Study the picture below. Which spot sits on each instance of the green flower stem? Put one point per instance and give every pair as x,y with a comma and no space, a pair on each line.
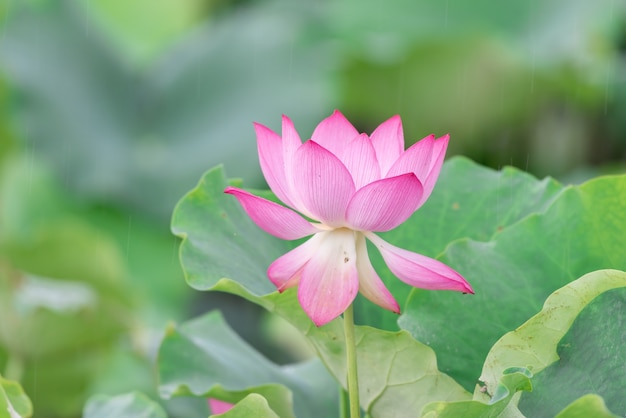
344,409
353,384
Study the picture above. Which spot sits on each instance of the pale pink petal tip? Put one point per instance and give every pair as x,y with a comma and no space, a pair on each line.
388,141
289,131
334,133
270,147
263,132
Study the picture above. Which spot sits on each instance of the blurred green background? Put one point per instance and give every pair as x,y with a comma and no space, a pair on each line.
110,110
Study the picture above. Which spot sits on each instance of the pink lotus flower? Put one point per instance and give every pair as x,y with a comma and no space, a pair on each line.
351,185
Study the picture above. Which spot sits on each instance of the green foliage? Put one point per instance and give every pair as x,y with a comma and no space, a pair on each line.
488,73
359,21
141,136
65,288
205,358
574,346
400,374
514,273
459,106
13,401
130,112
590,357
134,32
129,405
62,291
252,405
511,382
535,343
210,231
529,251
586,406
469,201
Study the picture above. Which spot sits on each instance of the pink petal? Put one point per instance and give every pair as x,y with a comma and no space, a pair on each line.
323,183
370,284
291,142
285,271
329,281
359,158
423,158
384,204
334,133
290,135
219,407
439,153
272,217
272,162
388,141
417,159
418,270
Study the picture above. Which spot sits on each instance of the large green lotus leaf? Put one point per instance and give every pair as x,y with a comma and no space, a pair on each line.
536,342
204,357
585,407
397,373
468,201
512,275
559,378
14,403
130,405
591,356
141,136
253,405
